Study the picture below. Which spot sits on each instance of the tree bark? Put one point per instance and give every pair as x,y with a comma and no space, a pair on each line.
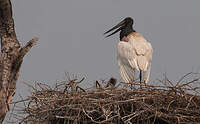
11,57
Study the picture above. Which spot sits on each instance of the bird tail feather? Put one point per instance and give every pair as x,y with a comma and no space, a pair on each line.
142,63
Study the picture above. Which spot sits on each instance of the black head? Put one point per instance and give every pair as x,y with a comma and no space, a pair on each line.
128,21
125,28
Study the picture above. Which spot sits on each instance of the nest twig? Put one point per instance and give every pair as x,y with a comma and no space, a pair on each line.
67,103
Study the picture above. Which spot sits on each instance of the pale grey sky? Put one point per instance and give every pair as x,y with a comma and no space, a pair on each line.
71,37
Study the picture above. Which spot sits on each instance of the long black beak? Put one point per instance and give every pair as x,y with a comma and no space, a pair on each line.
119,26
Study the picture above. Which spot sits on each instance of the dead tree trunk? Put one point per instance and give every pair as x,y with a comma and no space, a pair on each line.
11,57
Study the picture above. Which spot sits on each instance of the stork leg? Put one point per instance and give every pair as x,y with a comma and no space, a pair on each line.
140,78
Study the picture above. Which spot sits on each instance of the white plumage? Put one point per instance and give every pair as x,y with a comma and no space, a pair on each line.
134,55
134,52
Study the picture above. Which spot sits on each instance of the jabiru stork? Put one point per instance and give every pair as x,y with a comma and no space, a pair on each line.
134,52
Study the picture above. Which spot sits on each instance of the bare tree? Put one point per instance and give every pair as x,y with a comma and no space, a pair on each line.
11,57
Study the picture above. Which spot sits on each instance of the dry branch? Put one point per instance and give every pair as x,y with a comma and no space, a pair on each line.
152,104
11,57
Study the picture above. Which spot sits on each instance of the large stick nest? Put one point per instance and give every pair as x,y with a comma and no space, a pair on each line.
66,103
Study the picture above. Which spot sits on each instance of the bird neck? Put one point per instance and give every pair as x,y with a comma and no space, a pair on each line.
126,31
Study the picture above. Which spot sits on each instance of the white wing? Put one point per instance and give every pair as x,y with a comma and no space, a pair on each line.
136,54
144,53
148,55
143,50
126,61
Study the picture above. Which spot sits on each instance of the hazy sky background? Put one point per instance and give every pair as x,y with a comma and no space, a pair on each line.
71,37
